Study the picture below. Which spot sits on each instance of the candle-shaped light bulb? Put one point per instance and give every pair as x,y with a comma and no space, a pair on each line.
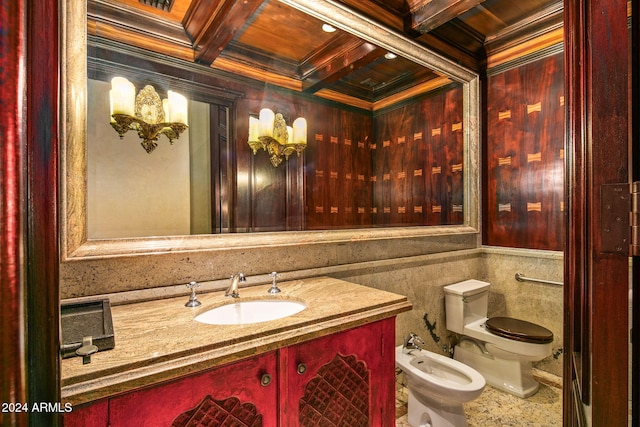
165,109
267,118
111,106
289,134
177,108
254,129
123,96
299,131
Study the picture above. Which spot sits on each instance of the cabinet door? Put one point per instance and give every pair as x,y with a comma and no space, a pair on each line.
235,394
345,379
94,414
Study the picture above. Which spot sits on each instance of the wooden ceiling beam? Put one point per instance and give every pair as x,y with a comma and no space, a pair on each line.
430,14
339,59
212,25
131,25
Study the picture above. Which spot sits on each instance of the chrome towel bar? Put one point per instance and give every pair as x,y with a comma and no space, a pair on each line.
522,278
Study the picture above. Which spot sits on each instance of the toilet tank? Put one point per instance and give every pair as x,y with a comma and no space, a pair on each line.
465,302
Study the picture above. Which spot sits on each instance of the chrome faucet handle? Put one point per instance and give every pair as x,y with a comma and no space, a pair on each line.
412,342
232,291
193,299
274,285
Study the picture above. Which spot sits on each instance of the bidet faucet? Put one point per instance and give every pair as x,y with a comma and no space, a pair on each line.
412,342
232,291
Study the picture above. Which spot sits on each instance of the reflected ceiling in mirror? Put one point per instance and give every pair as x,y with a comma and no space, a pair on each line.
252,44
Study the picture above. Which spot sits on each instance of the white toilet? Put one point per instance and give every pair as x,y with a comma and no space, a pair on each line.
500,348
438,386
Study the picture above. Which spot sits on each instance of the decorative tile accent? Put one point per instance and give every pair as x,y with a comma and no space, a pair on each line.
417,136
386,209
402,209
436,131
386,177
417,209
361,144
374,210
401,140
504,207
218,413
417,172
436,209
319,209
436,170
402,175
534,207
535,157
503,115
333,139
533,108
456,208
360,177
347,176
373,178
456,168
362,210
319,137
456,127
319,174
372,146
333,175
334,209
561,153
562,101
347,141
386,143
504,161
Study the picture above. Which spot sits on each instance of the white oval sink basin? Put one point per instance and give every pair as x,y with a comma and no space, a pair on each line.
243,312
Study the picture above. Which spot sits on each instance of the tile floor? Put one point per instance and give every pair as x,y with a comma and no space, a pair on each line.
499,409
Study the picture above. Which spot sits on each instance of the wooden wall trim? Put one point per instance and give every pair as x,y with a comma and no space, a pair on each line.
41,293
12,101
596,292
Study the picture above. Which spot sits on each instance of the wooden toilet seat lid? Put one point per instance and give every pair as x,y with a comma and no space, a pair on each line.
519,330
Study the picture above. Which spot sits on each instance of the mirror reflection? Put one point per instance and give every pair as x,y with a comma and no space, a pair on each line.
385,140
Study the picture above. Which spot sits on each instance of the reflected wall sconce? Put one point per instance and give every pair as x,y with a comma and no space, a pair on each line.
146,113
270,132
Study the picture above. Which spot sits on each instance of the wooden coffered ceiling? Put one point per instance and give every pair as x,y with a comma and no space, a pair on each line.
268,41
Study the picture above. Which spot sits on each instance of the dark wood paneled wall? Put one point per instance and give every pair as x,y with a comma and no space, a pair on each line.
524,156
418,162
338,169
402,167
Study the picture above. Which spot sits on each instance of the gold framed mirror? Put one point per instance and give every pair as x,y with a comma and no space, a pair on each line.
82,257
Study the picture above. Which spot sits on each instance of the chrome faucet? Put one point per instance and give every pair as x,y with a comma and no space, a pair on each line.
232,291
412,342
274,285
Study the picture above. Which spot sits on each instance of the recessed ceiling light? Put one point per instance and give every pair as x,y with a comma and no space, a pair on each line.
390,55
327,28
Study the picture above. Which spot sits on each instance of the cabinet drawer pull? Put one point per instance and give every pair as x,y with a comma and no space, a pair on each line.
265,380
302,368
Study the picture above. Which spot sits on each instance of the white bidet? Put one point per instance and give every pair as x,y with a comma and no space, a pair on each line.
438,386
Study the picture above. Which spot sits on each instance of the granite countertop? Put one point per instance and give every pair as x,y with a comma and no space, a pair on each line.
158,340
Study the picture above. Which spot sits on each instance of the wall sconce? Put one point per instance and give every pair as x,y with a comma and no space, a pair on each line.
271,133
146,113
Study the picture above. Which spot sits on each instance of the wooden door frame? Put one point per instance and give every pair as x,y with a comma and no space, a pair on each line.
596,153
29,103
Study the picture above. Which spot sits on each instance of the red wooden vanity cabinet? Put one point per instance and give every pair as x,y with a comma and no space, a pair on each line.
346,377
341,379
